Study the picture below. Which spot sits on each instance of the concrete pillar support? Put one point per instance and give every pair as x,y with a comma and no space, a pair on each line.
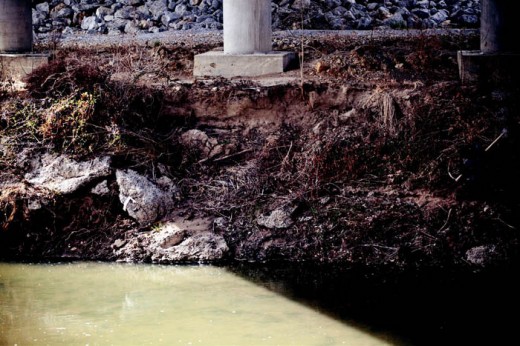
247,44
247,26
16,40
498,60
16,34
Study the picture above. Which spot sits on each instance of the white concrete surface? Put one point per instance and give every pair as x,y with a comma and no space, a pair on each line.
247,26
213,64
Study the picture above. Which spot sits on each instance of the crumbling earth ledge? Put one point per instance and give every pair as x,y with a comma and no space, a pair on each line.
378,157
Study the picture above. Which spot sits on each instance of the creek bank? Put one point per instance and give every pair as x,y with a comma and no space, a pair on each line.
355,165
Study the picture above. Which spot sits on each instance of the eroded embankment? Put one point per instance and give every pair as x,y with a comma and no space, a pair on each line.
396,168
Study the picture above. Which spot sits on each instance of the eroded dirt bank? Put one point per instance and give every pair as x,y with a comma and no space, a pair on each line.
377,156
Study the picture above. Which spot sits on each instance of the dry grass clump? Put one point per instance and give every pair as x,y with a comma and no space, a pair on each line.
80,111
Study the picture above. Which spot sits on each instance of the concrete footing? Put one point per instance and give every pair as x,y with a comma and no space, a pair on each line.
476,67
215,63
15,67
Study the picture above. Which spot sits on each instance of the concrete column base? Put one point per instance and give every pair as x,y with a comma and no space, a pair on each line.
219,64
15,67
476,67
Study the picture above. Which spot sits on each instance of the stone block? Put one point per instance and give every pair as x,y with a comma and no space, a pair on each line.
476,67
15,67
220,64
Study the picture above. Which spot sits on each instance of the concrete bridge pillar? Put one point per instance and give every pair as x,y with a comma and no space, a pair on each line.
247,26
247,44
498,61
497,23
16,34
16,40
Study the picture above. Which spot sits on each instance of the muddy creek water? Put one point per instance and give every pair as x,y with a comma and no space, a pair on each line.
115,304
87,303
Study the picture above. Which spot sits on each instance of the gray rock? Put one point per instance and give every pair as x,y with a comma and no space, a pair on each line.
158,8
62,13
383,12
169,17
43,7
127,12
131,2
372,6
181,9
131,27
169,244
64,175
38,18
350,16
143,12
299,4
440,16
364,23
154,29
470,20
422,4
277,219
143,200
481,255
102,12
89,23
116,24
421,13
101,189
396,21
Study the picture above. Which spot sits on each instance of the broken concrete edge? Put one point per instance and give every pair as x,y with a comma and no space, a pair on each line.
15,67
220,64
477,67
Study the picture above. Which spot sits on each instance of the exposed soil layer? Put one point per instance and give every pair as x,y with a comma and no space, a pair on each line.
372,153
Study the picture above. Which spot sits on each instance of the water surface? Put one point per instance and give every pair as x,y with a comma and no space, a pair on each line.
115,304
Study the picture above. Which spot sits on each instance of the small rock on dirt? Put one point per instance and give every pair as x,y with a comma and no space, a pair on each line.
278,219
481,255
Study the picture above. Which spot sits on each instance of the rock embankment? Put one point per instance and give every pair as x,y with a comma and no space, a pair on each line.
132,16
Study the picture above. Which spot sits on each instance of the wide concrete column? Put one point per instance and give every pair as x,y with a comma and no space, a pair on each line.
498,23
247,26
498,60
16,34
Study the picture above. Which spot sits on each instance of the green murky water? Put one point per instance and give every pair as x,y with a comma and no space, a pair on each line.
111,304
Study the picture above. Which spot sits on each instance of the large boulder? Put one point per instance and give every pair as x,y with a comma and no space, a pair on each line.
64,175
142,199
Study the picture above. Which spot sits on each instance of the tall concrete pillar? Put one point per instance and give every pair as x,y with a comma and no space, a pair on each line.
16,34
247,26
497,25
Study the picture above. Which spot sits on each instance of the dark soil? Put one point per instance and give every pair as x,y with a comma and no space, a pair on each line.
379,156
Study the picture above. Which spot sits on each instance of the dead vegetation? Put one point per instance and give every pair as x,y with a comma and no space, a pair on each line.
379,157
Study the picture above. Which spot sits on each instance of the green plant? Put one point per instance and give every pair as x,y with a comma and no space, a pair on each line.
65,122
